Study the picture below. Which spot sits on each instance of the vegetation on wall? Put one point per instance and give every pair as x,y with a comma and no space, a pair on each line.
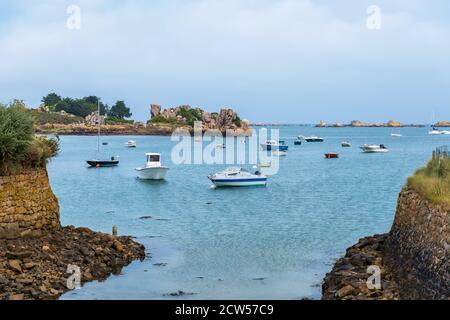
18,145
433,181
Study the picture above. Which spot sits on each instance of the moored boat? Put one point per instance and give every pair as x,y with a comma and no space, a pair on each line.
97,163
131,144
331,155
437,132
311,139
346,144
237,177
153,169
275,145
374,148
298,142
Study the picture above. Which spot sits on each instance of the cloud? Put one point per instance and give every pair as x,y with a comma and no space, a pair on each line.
309,59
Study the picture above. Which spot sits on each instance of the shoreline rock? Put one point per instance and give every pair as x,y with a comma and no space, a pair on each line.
412,257
349,276
36,268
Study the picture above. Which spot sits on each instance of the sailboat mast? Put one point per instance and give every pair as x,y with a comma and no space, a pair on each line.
99,122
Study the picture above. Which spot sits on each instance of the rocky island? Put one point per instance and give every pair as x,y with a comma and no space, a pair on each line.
67,116
363,124
38,256
414,256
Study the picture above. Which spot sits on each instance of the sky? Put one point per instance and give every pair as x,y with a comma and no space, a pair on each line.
273,61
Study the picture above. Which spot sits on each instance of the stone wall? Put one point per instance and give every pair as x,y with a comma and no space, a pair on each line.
417,248
28,206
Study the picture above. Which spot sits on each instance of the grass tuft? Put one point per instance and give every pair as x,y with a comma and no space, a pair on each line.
433,181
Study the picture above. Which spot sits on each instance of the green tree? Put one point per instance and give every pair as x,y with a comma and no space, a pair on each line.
51,99
120,110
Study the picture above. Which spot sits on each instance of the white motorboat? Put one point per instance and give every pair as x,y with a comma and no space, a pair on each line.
311,139
237,177
397,135
437,132
131,144
374,148
275,145
153,169
346,144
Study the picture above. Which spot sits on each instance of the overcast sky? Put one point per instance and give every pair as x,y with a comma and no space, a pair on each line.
291,61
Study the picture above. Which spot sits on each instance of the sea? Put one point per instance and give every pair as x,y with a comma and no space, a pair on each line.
273,242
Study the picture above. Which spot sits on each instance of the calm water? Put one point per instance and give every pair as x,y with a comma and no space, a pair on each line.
256,243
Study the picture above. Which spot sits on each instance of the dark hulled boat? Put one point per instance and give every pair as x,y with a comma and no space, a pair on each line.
103,163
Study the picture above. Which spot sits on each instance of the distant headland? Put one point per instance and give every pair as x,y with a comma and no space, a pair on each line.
359,124
69,116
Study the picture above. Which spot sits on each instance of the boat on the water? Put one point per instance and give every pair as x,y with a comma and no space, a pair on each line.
374,148
346,144
437,132
331,155
131,144
311,139
275,145
221,146
237,177
97,163
298,142
397,135
153,169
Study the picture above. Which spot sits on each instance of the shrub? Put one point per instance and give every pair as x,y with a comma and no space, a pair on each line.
18,145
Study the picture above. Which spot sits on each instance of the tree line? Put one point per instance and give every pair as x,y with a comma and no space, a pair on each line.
85,106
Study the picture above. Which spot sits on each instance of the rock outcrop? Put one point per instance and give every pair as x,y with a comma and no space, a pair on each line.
226,120
413,257
40,268
155,110
442,124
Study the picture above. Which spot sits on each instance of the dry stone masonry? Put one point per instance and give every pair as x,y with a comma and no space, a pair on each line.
28,206
418,247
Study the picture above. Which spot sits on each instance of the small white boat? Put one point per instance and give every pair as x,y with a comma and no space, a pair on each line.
346,144
275,145
437,132
374,148
153,169
237,177
397,135
131,144
311,139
